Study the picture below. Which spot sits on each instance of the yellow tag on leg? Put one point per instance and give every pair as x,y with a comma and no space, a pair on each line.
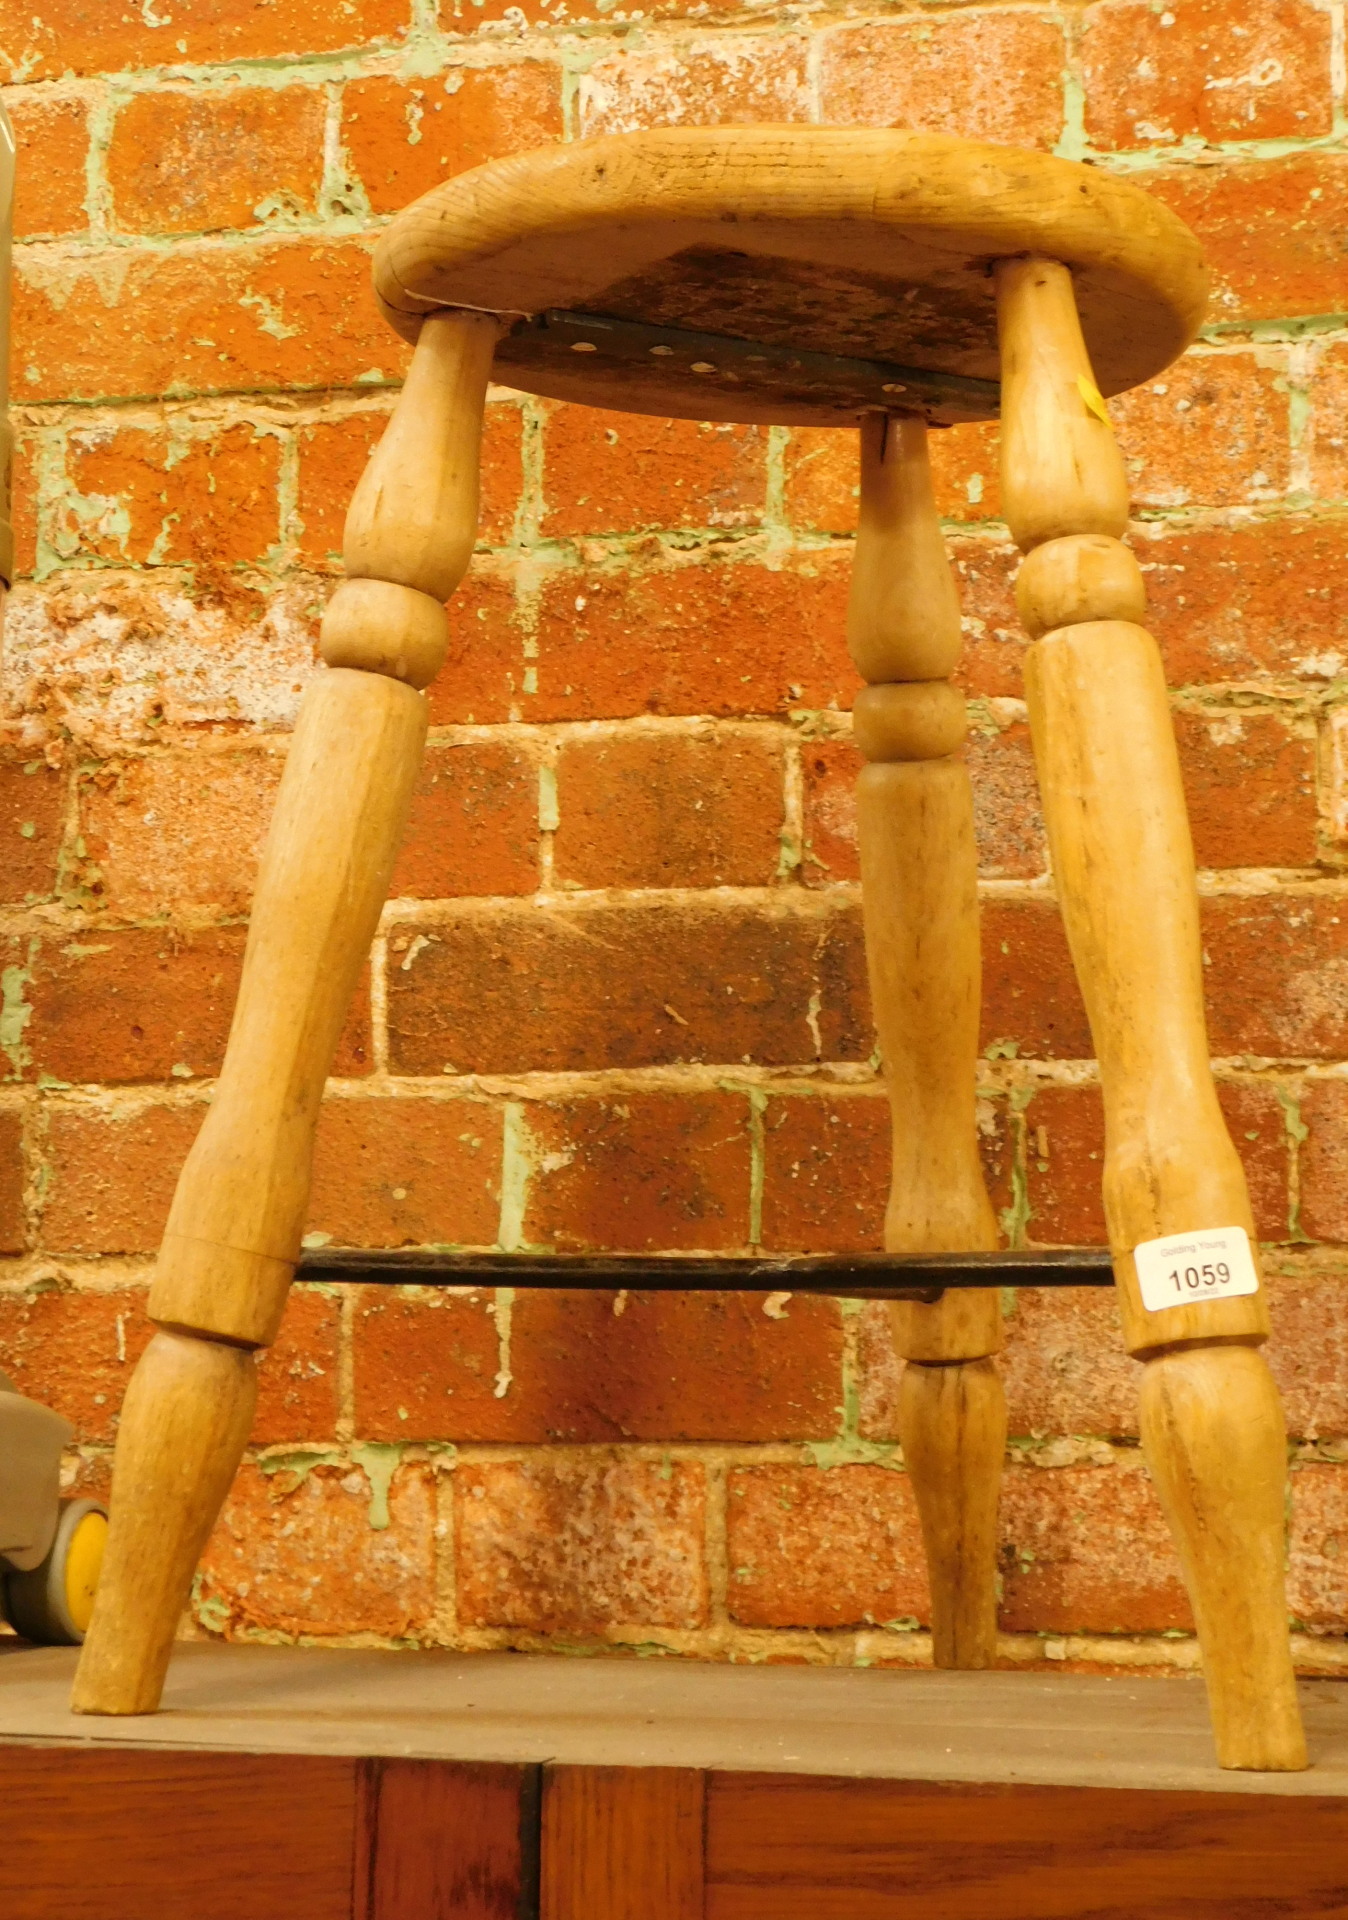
1093,397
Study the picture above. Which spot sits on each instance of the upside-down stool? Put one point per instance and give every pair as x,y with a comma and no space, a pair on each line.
880,280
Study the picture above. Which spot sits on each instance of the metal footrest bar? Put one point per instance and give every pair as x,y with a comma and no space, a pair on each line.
854,1276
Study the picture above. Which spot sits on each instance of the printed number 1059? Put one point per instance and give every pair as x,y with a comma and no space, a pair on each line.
1198,1279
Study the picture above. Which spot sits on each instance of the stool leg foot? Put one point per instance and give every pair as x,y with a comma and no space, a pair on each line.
1212,1431
952,1422
185,1423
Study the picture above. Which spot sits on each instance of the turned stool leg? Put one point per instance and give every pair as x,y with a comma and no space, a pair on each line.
233,1233
1123,864
919,894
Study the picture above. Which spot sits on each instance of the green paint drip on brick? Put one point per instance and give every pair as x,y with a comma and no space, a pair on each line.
1072,143
758,1101
849,1448
1017,1217
301,1461
1297,1133
517,1165
379,1462
15,1013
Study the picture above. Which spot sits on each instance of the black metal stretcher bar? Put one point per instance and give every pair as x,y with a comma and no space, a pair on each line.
854,1276
758,367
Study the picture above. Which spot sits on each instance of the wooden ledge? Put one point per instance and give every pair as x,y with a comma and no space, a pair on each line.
987,1728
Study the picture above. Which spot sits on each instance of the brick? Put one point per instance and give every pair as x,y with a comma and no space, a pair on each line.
173,832
1277,978
467,17
1257,1123
32,819
1214,70
825,1172
130,1006
627,473
627,985
878,1373
355,1047
403,138
110,1176
1065,1138
140,496
1269,232
721,638
966,471
74,1352
1249,781
831,852
473,828
665,1171
1086,1549
675,1366
807,1548
1030,993
484,670
425,1367
333,453
1008,822
111,660
1317,1579
725,82
559,1545
1064,1367
268,315
24,502
13,1229
406,1172
1323,437
1213,430
662,809
86,36
50,181
213,158
1323,1160
1252,602
821,485
994,75
994,640
1064,1161
667,1367
298,1550
1308,1352
299,1382
1336,795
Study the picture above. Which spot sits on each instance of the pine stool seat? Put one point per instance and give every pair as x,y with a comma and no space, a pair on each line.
880,281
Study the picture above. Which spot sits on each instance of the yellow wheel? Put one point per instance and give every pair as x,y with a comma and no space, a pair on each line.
54,1602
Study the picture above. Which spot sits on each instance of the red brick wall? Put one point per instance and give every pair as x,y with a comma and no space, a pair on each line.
619,999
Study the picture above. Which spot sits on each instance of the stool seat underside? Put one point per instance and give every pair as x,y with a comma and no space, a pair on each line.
870,247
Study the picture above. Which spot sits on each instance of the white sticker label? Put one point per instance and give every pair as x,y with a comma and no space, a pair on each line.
1214,1264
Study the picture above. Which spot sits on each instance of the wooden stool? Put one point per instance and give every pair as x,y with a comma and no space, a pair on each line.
835,278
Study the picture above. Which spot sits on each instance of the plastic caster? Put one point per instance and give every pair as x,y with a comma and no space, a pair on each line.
54,1602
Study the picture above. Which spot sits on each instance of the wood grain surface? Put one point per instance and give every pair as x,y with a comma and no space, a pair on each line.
437,1841
792,1849
622,1843
97,1835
